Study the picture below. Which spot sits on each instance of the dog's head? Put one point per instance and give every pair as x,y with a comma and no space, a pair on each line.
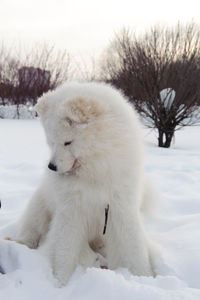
86,130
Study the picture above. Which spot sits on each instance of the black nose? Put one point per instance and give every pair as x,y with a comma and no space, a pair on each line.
52,167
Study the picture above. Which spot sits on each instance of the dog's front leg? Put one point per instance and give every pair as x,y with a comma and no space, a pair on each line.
126,244
64,243
34,223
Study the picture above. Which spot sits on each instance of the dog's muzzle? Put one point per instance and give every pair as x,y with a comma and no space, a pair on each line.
75,166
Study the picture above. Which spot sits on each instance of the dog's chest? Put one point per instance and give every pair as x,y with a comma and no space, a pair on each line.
90,204
86,202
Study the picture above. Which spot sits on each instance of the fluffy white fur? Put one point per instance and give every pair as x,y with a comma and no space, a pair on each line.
102,165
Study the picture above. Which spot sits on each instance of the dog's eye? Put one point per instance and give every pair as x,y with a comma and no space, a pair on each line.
67,143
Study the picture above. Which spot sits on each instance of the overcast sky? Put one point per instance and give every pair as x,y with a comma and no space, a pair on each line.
86,26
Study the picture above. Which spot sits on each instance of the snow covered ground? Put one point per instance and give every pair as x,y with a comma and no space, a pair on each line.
175,226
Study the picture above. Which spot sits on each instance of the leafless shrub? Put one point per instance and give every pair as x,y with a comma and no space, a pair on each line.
160,73
87,69
24,76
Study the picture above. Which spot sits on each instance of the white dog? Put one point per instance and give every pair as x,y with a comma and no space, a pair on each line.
93,188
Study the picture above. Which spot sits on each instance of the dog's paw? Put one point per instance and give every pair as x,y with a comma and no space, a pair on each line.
29,243
101,262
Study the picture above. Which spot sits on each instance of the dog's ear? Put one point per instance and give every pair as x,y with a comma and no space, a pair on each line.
41,105
82,110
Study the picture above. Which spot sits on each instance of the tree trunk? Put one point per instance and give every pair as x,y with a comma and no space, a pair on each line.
160,138
168,138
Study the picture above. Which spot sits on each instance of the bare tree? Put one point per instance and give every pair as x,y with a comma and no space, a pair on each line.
8,74
87,69
46,57
160,73
25,75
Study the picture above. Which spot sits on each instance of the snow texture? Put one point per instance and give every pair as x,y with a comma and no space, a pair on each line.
17,112
174,226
